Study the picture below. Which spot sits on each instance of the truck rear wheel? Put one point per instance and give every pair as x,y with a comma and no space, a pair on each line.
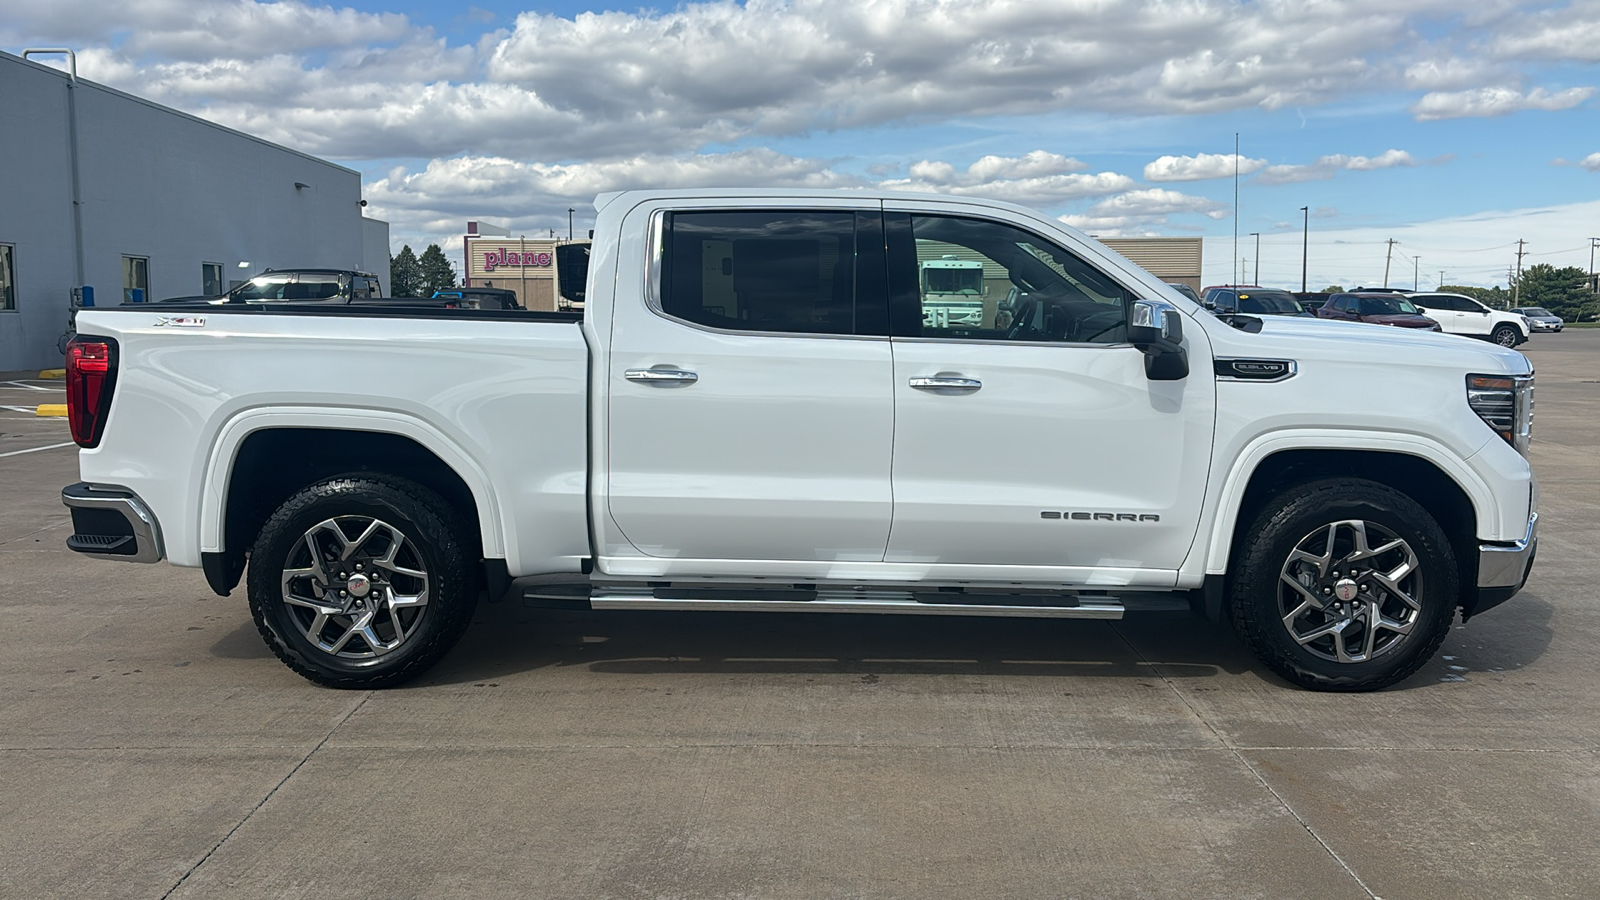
361,581
1344,584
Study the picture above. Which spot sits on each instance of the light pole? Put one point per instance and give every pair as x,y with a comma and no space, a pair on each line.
1593,287
1305,247
570,211
1257,279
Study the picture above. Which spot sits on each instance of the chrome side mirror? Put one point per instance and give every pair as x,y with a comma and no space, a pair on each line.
1156,328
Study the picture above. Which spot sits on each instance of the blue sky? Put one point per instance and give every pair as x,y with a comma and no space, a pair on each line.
1454,133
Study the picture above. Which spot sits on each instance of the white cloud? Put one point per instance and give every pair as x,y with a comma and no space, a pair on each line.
350,84
1034,179
1494,101
1328,166
1591,162
1571,32
1199,167
1142,211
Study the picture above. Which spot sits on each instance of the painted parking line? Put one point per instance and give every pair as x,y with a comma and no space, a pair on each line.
37,449
30,410
31,387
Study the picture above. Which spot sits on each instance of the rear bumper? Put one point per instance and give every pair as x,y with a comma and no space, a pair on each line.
1503,569
112,522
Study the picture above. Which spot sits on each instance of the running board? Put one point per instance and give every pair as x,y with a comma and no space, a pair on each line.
899,602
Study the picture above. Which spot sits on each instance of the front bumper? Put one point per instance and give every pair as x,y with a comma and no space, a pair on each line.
1502,570
112,522
1546,326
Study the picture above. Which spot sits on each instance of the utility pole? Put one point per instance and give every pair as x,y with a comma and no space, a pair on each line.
1594,288
1386,257
1416,261
1305,246
1516,291
1236,275
1257,279
570,211
1441,279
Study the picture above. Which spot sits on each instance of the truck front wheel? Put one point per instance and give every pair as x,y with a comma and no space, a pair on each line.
1344,584
361,581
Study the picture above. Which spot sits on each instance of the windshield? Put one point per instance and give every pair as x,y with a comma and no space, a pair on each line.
1269,303
1537,311
1387,306
262,287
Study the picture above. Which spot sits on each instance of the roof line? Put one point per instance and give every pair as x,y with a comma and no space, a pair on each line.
11,57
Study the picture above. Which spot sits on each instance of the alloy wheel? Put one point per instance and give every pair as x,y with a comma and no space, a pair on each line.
356,587
1350,591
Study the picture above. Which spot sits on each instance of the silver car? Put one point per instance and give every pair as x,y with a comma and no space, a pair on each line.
1539,319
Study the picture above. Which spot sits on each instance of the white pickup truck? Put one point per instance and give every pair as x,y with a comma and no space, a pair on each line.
754,413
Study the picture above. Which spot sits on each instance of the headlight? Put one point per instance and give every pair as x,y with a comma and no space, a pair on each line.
1505,404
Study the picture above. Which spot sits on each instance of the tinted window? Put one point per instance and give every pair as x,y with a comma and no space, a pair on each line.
8,279
1268,303
1386,306
1536,311
789,270
982,280
262,287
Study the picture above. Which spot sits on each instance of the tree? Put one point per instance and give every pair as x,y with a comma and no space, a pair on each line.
1333,289
436,272
1495,297
1564,291
405,273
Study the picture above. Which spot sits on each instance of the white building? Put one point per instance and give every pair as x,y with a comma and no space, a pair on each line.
161,204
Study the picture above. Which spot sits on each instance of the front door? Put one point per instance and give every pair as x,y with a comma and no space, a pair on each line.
751,409
1034,438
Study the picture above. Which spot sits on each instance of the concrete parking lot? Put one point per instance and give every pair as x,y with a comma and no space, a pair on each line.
151,746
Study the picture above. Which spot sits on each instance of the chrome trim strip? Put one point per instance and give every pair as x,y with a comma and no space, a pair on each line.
1088,608
1506,565
146,530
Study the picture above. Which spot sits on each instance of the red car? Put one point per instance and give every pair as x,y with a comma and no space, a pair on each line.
1376,308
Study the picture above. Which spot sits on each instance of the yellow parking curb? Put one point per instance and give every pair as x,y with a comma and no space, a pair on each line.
53,373
51,409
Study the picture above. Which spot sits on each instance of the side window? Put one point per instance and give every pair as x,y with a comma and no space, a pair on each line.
8,278
262,287
312,286
211,279
761,270
363,288
974,279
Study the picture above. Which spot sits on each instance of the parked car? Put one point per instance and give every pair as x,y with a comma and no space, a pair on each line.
1255,302
1539,318
753,413
1377,308
1184,289
1311,301
480,298
297,284
1459,314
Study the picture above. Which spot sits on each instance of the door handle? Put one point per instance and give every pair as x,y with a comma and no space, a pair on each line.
952,384
664,376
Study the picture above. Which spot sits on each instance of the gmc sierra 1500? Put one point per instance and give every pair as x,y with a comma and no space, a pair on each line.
756,411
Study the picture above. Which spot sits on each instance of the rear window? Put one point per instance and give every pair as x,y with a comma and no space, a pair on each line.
1268,302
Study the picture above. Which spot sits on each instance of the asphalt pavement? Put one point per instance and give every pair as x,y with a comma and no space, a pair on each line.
151,747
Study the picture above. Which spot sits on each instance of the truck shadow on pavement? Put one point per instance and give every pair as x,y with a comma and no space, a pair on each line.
505,639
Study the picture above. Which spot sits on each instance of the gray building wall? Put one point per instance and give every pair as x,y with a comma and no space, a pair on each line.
155,183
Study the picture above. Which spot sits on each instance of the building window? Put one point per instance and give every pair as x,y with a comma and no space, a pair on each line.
135,279
211,279
8,278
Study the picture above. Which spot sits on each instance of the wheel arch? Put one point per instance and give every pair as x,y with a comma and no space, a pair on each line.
260,459
1457,499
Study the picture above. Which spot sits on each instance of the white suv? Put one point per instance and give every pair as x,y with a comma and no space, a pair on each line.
1458,314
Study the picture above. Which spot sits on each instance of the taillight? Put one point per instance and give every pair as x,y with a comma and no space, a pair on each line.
91,376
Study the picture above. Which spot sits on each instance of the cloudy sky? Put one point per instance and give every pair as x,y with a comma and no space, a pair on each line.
1454,132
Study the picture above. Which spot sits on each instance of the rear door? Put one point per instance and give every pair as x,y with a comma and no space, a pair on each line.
751,406
1442,309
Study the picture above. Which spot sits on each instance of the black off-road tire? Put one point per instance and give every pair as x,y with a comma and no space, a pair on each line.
1506,336
1296,513
430,525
